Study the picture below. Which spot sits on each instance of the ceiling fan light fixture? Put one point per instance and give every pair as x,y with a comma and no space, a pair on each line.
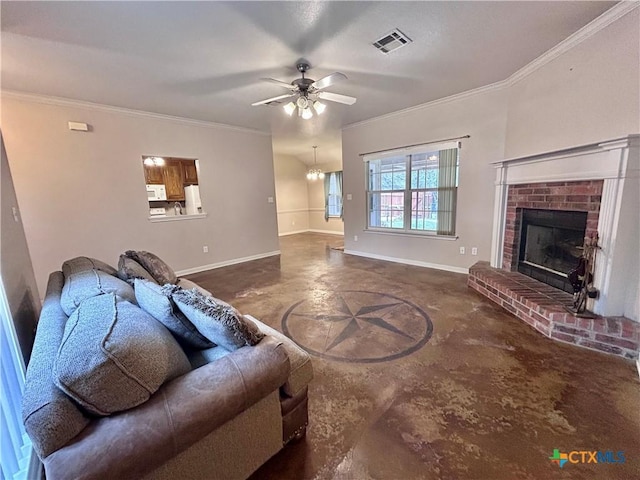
302,102
307,113
290,108
319,107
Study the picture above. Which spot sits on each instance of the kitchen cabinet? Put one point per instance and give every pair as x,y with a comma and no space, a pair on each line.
173,173
190,172
153,175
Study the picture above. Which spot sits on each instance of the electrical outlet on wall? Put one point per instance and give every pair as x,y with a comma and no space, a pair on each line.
355,238
474,250
205,249
461,250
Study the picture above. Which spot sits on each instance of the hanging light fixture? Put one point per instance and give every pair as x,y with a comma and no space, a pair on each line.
315,173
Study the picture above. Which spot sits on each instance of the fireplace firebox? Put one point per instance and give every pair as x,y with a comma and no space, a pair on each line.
551,244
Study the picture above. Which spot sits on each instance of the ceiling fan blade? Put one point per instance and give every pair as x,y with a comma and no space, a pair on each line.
329,80
273,99
280,82
336,97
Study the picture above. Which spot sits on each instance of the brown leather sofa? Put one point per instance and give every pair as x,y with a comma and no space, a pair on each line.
221,420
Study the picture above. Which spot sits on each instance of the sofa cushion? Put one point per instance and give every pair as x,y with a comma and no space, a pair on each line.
153,264
221,324
82,264
50,417
129,270
90,283
157,302
114,355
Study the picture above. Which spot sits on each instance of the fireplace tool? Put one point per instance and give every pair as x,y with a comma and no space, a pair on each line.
581,279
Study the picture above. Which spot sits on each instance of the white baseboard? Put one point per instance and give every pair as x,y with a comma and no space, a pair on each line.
406,261
330,232
292,233
226,263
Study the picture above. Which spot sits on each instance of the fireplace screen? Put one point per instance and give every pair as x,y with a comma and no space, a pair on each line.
551,243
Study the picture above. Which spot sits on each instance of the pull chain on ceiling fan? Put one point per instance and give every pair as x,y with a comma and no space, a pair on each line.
306,93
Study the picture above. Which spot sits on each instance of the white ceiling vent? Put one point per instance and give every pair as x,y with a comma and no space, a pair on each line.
391,41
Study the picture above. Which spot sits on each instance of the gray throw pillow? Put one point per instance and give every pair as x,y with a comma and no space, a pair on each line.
82,264
129,270
114,356
159,270
90,283
157,302
221,324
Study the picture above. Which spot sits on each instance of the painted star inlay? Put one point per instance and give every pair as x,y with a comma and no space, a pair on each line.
355,321
357,326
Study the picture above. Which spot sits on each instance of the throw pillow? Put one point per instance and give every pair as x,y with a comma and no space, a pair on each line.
82,264
114,356
157,302
221,324
90,283
159,270
129,270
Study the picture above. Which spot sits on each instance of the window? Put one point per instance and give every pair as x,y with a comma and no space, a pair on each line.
333,195
413,190
15,447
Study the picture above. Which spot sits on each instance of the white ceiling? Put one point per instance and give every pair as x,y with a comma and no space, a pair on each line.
203,60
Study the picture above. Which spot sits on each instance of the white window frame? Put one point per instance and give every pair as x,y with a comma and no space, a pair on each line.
407,153
330,195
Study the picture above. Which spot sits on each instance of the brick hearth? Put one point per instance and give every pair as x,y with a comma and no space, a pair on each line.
542,307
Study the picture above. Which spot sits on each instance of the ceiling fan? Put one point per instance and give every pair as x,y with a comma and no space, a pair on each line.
306,93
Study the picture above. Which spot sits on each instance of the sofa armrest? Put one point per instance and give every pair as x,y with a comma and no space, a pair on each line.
301,367
133,443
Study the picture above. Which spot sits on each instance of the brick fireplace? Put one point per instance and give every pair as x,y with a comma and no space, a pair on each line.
601,180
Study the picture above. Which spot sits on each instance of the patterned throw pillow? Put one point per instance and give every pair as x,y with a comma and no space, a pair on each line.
159,270
157,302
221,324
129,270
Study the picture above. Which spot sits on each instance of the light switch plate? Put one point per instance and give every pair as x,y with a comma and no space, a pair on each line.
349,196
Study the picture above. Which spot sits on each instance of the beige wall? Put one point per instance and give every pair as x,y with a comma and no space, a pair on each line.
589,93
482,116
317,223
15,263
83,193
291,194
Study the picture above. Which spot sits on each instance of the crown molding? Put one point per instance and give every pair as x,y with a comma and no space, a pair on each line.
66,102
433,103
616,12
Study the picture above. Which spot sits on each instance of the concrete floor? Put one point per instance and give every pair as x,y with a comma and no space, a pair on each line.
419,377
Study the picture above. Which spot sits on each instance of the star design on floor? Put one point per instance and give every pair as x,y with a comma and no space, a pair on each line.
354,321
357,326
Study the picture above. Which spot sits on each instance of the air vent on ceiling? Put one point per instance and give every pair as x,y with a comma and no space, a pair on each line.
391,41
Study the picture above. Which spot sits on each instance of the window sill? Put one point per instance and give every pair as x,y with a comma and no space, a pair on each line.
176,218
410,234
